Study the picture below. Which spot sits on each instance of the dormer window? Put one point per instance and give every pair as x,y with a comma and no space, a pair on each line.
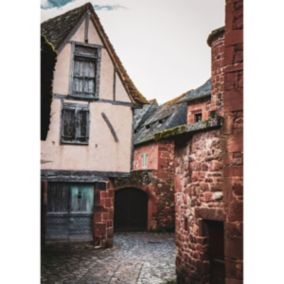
197,117
85,72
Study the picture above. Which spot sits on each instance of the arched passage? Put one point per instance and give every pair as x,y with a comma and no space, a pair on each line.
130,210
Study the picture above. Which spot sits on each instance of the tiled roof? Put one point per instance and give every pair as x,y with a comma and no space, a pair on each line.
154,118
204,91
57,30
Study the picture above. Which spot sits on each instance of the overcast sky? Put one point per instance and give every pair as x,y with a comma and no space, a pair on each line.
162,43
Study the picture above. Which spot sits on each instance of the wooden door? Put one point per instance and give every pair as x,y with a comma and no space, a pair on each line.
69,212
131,207
216,252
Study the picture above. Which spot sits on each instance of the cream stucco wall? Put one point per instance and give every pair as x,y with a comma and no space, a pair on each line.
102,153
121,94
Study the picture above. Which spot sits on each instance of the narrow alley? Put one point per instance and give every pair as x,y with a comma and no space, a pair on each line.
142,258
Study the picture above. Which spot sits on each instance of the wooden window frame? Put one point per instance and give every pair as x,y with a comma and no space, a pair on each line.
96,58
144,160
76,108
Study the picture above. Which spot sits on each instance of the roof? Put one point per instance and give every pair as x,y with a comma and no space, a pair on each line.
152,119
58,29
204,91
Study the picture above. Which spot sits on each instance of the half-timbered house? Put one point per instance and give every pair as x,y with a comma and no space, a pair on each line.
87,120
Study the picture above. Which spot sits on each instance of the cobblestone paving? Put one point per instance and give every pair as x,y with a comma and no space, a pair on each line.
136,258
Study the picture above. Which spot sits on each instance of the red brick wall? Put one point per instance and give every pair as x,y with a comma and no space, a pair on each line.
196,107
152,151
233,114
198,196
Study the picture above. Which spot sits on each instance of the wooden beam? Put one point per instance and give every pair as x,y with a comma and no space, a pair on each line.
110,127
86,34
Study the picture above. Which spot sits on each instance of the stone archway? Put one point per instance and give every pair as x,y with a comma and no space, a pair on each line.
134,209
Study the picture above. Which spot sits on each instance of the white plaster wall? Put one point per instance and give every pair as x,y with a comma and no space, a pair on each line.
62,71
120,92
106,76
102,153
93,35
80,33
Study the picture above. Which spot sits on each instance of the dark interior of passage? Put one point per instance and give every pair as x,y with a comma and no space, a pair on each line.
215,231
131,206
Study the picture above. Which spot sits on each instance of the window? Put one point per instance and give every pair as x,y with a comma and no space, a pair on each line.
198,117
85,72
70,198
75,124
144,161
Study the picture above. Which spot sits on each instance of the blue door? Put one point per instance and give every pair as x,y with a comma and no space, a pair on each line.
70,212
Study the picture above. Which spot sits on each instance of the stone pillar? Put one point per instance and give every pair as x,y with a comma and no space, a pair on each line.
233,133
103,216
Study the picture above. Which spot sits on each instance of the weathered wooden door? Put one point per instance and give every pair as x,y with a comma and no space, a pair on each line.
130,210
69,212
216,252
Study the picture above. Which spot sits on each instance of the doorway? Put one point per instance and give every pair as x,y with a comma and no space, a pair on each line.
215,233
131,210
69,212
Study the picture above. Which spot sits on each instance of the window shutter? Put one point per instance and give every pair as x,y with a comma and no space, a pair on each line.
68,118
82,125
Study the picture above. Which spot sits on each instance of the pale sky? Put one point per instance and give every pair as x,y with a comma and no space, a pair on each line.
161,43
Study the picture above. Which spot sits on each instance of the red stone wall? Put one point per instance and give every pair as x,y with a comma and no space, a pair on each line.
103,216
198,196
217,72
233,114
197,107
152,151
158,183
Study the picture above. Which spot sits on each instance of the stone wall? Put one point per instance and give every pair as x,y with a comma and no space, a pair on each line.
157,183
198,192
233,114
103,216
216,41
209,165
152,157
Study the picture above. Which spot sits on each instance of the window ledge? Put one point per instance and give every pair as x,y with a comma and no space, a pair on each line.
74,143
85,98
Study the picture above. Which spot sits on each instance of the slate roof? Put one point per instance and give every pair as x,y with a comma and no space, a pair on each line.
204,91
152,119
58,29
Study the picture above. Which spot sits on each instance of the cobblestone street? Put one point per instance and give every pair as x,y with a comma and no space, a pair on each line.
142,258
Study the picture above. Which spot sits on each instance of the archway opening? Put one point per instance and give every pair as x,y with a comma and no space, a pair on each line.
130,210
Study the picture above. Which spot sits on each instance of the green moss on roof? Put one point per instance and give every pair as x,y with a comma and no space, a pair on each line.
171,132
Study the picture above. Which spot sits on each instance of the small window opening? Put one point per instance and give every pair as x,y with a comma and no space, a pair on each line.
144,161
198,117
213,114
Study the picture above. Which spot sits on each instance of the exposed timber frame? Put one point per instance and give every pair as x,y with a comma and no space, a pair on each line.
110,127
